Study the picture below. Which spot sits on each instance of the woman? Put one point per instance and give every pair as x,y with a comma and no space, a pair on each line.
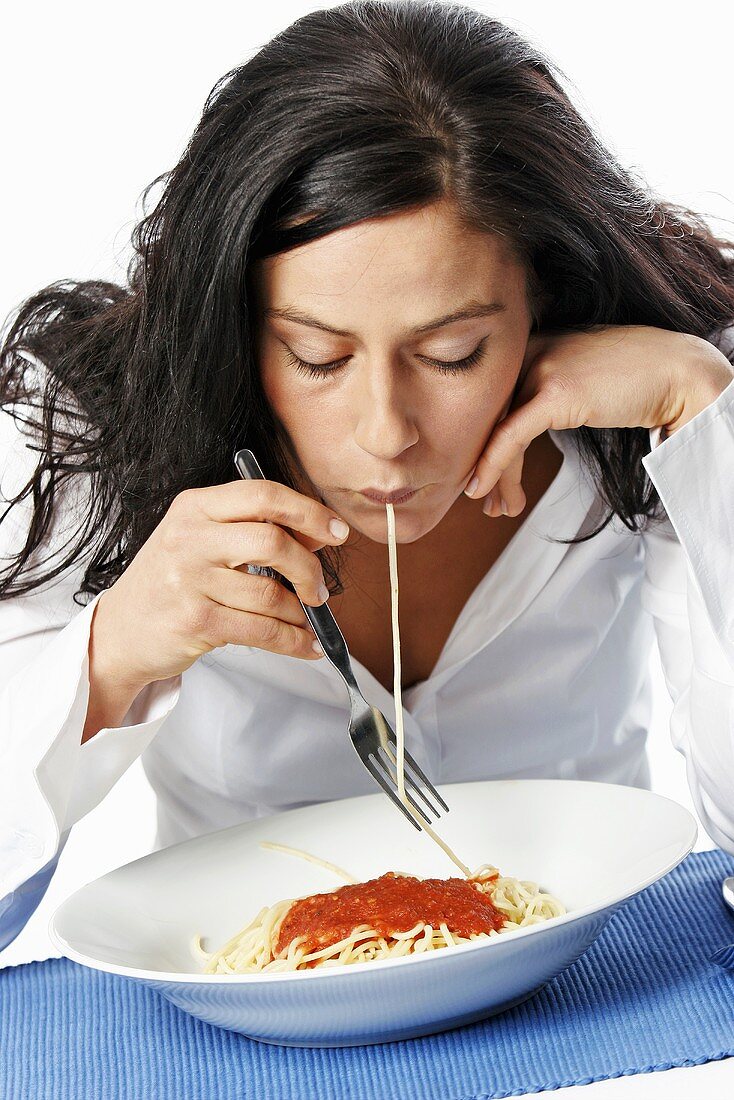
392,253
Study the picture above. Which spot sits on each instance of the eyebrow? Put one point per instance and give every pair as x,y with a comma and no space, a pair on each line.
471,310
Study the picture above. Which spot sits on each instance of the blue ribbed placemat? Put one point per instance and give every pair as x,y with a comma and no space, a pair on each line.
644,997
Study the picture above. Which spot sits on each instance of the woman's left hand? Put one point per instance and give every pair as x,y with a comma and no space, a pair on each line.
614,376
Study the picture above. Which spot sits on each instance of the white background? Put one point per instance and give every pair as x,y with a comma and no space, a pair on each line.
100,99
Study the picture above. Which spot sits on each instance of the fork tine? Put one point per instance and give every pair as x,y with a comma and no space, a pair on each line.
410,783
393,779
376,774
419,771
411,763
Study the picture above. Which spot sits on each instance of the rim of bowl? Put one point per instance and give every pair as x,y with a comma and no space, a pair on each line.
180,977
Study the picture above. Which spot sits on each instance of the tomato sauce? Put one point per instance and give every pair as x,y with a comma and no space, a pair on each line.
391,903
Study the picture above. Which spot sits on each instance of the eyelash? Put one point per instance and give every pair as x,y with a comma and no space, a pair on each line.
321,370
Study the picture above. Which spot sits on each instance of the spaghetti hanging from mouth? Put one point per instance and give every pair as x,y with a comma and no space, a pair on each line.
398,695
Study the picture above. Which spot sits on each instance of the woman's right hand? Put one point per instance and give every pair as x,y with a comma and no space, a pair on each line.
187,590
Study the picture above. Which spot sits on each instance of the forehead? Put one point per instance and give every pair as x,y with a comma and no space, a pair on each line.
426,254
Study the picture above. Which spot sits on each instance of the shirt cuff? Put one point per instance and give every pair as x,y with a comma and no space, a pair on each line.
693,472
104,758
49,779
17,907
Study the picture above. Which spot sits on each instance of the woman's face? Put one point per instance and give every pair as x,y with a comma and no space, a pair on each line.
370,298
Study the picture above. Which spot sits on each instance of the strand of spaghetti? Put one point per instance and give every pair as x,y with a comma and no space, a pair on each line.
307,855
392,550
398,693
449,851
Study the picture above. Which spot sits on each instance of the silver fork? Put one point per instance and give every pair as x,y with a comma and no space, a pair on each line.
369,730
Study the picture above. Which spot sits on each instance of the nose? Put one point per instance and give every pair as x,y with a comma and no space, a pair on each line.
385,419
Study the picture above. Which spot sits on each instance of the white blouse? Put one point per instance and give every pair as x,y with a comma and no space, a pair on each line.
545,673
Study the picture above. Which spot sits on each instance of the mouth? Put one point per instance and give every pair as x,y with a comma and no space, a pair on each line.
399,496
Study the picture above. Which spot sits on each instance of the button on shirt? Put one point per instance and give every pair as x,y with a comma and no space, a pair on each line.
544,674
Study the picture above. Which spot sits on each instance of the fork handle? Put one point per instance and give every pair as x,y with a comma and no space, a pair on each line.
321,619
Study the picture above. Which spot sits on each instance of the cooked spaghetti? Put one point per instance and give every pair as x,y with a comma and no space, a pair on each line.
383,918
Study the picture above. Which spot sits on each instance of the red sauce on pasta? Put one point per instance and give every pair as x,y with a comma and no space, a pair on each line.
391,903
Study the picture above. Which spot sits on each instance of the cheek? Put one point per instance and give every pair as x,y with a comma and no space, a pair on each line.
465,418
317,426
287,402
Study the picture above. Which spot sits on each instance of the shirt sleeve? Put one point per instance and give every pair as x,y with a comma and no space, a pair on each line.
688,588
48,779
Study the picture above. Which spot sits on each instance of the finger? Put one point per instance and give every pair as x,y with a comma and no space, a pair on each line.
229,627
260,500
254,593
234,544
508,493
307,541
509,440
492,505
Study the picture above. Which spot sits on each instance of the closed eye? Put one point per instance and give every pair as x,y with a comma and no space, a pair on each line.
443,366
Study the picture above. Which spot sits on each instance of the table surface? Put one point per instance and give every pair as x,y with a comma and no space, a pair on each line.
713,1080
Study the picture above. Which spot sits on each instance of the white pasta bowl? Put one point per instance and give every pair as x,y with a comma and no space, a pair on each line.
592,845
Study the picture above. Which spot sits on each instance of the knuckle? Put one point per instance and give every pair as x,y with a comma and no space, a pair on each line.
271,592
268,631
196,619
275,538
285,506
558,386
183,501
269,501
506,432
264,541
175,536
260,493
290,513
176,580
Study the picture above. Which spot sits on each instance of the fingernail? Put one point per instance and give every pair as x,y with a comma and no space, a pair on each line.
472,486
503,506
315,646
323,592
338,528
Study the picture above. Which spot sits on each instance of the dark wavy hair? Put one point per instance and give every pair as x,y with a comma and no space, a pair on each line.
352,112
